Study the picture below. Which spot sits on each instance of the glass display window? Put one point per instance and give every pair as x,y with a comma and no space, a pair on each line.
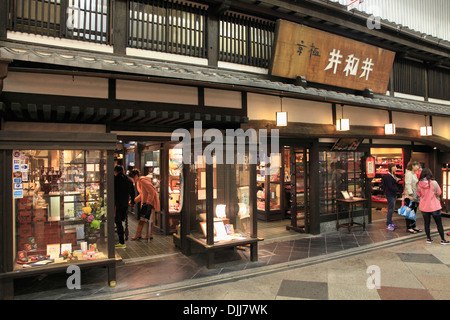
175,180
445,189
340,176
229,218
269,183
384,156
59,203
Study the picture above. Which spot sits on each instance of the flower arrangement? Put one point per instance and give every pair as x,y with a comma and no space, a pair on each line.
67,255
92,215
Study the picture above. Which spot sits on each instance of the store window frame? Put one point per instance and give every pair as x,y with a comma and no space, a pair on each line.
56,186
10,141
206,175
365,193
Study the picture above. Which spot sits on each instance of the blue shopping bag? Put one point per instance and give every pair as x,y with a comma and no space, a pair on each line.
407,212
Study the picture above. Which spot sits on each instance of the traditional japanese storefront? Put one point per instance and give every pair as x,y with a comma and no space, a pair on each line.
342,132
56,211
332,88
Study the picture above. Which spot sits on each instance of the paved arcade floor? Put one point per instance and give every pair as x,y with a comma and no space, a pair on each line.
279,259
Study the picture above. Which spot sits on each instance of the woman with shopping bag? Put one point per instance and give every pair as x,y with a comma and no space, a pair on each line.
409,193
428,190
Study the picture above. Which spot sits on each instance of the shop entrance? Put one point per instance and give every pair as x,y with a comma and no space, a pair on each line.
298,195
283,194
158,159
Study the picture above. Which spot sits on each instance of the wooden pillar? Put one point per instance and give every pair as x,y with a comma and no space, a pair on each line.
214,12
119,30
213,39
209,205
110,202
185,228
3,19
314,215
3,71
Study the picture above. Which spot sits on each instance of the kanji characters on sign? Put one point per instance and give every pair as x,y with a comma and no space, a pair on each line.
314,51
352,64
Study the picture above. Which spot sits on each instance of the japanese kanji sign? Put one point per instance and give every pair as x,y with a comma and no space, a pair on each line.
325,58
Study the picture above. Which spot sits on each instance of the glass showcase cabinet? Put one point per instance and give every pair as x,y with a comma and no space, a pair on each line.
340,175
220,213
269,187
55,206
59,205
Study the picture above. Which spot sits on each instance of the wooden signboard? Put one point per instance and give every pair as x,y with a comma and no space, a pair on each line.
329,59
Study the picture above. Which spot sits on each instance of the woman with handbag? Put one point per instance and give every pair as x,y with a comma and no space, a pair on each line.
149,199
409,192
428,190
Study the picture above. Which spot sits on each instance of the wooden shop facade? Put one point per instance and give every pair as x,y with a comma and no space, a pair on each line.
78,98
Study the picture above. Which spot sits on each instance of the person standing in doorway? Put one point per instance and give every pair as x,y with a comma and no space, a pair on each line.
390,182
149,199
123,191
428,190
411,181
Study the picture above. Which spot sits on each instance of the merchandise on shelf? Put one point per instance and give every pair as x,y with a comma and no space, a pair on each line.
53,188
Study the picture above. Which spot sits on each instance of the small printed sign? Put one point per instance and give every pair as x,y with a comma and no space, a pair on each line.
17,174
18,186
18,194
17,180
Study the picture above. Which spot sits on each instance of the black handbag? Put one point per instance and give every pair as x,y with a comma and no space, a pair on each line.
146,211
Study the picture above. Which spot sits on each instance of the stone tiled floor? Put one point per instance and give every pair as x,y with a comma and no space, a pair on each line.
174,268
162,245
410,270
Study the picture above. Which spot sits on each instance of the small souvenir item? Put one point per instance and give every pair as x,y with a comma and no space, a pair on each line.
21,255
53,250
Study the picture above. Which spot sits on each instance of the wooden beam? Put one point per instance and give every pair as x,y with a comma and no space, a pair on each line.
60,113
125,114
186,117
149,115
175,116
47,112
32,111
138,115
100,114
16,108
74,113
88,114
113,115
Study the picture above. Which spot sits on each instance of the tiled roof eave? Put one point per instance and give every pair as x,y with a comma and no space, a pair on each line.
205,76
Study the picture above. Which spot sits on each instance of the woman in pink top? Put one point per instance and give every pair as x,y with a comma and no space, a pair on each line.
428,191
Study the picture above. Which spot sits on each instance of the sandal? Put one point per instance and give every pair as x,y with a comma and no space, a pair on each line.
413,231
418,230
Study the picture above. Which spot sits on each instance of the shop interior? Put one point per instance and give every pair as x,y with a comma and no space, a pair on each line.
163,163
282,188
59,203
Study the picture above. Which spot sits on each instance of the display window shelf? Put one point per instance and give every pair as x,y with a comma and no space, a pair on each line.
59,204
221,206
